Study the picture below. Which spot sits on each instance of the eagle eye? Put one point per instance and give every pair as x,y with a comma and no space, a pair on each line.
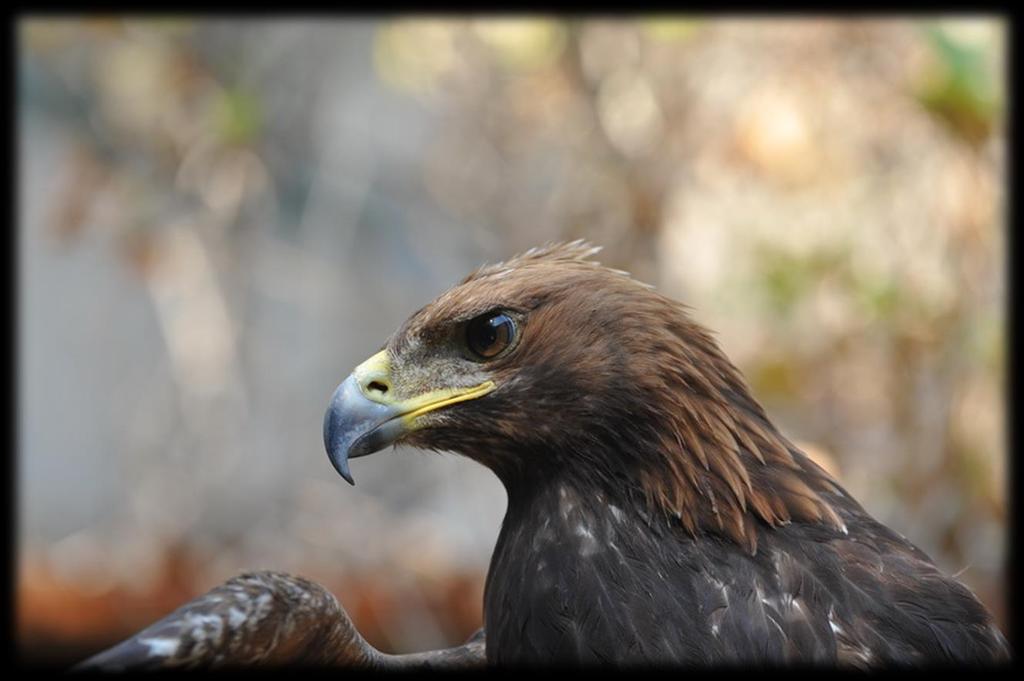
489,334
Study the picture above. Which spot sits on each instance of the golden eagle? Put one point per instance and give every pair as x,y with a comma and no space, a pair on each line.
655,514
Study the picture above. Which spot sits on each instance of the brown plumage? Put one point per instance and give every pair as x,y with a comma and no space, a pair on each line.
265,619
701,403
655,513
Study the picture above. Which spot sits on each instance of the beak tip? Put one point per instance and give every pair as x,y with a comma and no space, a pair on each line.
341,465
349,419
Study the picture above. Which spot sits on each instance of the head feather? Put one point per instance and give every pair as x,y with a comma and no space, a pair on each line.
644,393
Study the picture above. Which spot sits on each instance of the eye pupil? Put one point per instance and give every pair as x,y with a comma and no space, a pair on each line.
489,334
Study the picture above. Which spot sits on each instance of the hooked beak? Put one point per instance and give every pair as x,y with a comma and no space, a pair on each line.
365,415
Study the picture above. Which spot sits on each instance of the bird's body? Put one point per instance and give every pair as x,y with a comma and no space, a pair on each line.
580,578
655,515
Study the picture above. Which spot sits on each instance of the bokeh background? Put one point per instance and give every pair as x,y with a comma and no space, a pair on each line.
218,219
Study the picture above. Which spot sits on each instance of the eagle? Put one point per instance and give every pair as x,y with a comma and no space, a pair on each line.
656,515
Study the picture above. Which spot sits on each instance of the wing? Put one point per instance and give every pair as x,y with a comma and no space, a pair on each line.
265,618
873,598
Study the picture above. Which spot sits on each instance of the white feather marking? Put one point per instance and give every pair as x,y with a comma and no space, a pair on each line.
836,629
263,607
197,627
589,544
236,617
565,505
160,647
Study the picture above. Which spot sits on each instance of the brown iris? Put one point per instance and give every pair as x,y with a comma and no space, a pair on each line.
489,334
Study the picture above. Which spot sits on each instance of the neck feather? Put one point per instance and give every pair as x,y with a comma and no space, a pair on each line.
695,448
720,465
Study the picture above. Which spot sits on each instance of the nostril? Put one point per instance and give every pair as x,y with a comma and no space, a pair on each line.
377,387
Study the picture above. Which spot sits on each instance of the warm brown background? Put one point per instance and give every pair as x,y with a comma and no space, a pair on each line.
219,219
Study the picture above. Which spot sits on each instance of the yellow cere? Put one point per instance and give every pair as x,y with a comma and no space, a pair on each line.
378,369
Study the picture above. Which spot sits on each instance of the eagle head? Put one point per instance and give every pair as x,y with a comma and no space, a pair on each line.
551,367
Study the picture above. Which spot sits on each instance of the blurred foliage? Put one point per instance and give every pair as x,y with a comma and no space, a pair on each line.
961,85
238,115
827,194
671,28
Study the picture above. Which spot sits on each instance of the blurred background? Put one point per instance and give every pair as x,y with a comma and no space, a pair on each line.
218,219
